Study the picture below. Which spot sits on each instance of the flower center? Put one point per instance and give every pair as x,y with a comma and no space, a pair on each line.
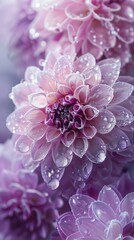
65,115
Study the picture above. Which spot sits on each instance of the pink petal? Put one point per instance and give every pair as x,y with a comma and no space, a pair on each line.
80,146
100,35
89,132
90,112
66,224
122,91
102,212
96,152
68,138
62,69
86,61
110,69
110,197
47,82
124,31
37,131
35,116
23,144
52,97
74,80
114,230
92,76
63,89
31,74
38,100
78,12
100,96
40,149
76,235
55,19
50,61
82,93
62,156
80,204
51,173
52,133
104,122
116,140
122,115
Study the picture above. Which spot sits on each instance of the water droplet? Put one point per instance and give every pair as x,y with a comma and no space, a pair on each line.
54,184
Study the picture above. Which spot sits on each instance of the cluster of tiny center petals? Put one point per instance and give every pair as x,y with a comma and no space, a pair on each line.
108,218
28,209
103,28
73,108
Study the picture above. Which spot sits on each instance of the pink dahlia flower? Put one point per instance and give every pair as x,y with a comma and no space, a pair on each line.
28,210
108,218
102,27
70,110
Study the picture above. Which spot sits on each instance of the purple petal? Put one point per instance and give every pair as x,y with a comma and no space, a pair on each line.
103,212
66,224
40,149
62,156
87,61
96,152
80,146
114,230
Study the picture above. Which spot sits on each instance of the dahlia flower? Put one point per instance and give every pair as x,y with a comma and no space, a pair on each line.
110,217
102,27
73,109
28,209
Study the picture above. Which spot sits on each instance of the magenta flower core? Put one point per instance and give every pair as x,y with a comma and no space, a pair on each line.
72,109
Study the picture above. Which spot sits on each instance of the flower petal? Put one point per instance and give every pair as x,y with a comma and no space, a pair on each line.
80,204
54,19
37,131
47,82
86,61
35,116
122,90
81,93
80,146
78,12
66,224
31,74
114,230
102,212
100,96
38,100
96,151
52,133
89,132
23,144
51,173
104,122
68,138
74,80
127,205
62,155
40,149
62,69
110,69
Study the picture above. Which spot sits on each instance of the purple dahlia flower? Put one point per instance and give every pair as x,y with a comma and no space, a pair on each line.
108,218
102,27
28,210
71,110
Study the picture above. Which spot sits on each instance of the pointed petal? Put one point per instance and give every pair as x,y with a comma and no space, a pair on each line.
89,132
63,89
31,74
62,69
47,82
66,224
37,131
68,138
55,19
110,197
92,76
62,156
96,152
102,212
74,80
122,91
35,116
80,146
110,69
82,93
52,133
90,112
51,173
104,122
40,149
87,61
80,204
38,100
23,144
100,96
78,12
127,205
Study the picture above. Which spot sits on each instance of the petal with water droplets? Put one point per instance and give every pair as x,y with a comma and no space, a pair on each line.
31,74
80,146
96,152
38,100
102,212
66,224
87,61
62,155
40,149
62,69
68,138
23,144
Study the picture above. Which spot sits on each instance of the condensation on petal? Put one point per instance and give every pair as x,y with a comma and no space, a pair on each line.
23,144
35,116
78,12
110,197
66,224
123,116
82,93
92,76
31,74
89,132
104,122
74,80
80,146
62,155
96,152
38,100
40,149
110,69
122,90
47,82
62,69
80,204
90,112
116,140
51,173
87,61
124,31
37,131
100,96
54,19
